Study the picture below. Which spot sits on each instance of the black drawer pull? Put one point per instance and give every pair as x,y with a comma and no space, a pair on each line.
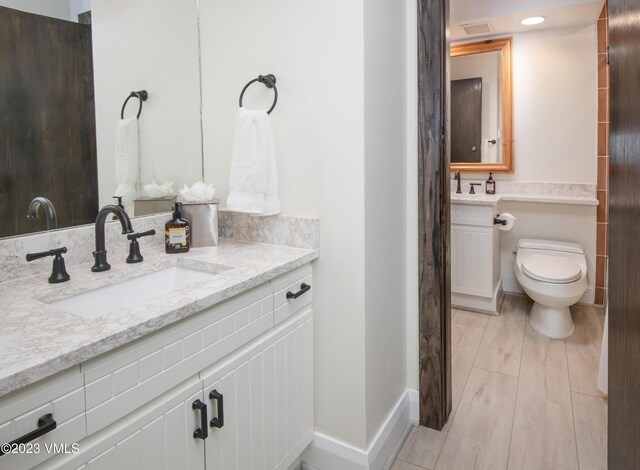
218,421
202,432
46,424
304,288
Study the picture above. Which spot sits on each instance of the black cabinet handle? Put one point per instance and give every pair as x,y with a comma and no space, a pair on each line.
202,432
304,288
218,421
46,424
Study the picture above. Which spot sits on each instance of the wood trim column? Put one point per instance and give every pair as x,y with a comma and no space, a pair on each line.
623,451
434,213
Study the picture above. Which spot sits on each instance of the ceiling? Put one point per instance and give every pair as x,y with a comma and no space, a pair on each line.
504,16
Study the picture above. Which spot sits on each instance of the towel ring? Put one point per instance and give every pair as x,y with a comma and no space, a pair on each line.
270,82
142,95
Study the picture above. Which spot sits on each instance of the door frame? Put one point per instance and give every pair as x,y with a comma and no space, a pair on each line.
434,158
623,451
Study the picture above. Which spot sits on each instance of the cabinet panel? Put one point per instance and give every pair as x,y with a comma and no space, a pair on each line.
472,260
268,402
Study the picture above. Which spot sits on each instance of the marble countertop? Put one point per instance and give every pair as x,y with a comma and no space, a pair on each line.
38,340
493,199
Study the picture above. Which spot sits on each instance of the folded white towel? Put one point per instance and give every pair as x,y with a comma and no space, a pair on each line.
253,183
127,160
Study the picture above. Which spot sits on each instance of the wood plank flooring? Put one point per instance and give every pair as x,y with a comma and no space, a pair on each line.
520,400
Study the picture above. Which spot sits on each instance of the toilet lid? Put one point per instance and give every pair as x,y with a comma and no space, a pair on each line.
554,269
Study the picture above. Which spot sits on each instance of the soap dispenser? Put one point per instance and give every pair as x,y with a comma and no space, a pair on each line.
491,185
177,232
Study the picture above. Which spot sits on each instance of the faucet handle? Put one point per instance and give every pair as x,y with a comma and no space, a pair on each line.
134,247
473,189
135,236
58,271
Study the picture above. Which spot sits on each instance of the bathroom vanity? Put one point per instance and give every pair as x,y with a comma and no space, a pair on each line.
475,255
217,374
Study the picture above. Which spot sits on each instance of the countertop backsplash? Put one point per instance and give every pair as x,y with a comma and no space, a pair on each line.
299,232
579,190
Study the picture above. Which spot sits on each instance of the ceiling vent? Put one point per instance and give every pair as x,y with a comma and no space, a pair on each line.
478,28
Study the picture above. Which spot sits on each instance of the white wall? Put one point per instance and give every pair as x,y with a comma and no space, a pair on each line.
78,6
53,8
555,105
340,149
315,49
152,45
385,219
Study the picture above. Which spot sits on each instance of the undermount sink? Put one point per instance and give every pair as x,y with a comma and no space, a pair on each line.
132,292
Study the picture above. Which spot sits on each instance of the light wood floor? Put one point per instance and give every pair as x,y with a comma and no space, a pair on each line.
520,400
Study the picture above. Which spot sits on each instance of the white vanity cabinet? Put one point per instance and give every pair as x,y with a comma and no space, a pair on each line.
475,258
225,389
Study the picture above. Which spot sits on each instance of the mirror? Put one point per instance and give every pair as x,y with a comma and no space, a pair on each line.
67,67
482,107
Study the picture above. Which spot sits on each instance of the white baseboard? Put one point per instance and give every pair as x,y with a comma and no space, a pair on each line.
328,453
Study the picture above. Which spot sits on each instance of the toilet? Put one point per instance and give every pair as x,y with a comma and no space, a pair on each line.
554,275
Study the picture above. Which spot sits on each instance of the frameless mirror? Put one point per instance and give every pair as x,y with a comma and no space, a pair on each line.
67,67
481,107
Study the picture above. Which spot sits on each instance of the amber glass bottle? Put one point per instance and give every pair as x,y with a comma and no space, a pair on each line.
177,233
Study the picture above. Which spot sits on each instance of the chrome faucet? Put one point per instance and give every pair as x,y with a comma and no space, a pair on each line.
49,211
457,178
100,254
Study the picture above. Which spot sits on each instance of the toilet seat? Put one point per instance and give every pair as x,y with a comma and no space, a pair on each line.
552,269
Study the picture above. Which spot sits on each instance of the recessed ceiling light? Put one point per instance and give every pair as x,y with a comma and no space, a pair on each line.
533,20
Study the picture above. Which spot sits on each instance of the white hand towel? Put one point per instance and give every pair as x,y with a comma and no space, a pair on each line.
253,183
127,159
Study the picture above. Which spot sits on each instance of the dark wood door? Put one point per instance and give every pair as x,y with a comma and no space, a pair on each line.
466,120
47,121
624,233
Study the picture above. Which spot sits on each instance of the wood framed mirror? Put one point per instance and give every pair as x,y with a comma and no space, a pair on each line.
482,107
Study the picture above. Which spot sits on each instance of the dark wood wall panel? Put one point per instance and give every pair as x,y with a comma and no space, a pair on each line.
47,121
624,230
433,218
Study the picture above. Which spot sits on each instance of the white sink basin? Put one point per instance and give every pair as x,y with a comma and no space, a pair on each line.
132,292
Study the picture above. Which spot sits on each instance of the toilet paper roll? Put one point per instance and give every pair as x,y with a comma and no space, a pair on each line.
511,220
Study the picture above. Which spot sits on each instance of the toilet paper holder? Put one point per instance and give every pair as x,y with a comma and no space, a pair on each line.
498,221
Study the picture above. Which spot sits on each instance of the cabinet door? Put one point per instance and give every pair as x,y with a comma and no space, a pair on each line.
472,251
267,405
